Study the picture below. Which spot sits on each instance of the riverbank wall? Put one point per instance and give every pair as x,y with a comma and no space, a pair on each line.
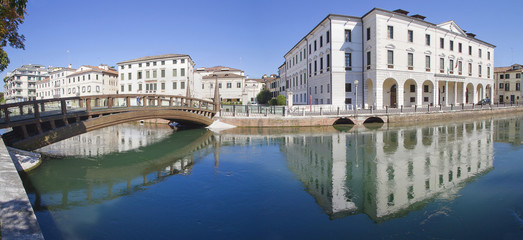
328,120
17,217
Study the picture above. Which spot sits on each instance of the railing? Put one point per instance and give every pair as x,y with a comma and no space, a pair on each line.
62,106
347,110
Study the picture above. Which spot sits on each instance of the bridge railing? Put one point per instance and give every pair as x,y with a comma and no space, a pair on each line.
62,106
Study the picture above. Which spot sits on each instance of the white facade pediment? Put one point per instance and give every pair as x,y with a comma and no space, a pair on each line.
410,50
347,49
452,27
442,55
452,57
390,46
470,60
428,52
488,65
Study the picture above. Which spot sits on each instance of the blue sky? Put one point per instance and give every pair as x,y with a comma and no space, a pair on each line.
249,34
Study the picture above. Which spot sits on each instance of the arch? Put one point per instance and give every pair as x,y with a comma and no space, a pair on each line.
390,92
479,93
469,93
390,141
409,96
410,139
488,92
343,120
370,93
427,93
373,120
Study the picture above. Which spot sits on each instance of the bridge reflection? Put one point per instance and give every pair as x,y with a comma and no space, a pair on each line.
82,181
383,173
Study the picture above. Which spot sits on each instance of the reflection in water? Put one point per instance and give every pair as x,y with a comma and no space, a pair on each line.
68,182
118,138
382,173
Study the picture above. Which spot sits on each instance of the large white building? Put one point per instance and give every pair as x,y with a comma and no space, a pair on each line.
169,74
388,58
231,83
20,84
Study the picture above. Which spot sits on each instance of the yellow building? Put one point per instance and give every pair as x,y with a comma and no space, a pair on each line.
508,84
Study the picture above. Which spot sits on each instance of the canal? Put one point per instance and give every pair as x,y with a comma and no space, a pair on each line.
432,181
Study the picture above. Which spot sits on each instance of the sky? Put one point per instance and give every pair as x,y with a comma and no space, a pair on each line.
251,35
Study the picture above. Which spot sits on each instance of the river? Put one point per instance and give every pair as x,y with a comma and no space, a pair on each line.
453,180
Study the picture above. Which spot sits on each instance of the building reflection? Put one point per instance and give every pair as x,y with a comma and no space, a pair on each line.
509,131
118,138
381,173
77,181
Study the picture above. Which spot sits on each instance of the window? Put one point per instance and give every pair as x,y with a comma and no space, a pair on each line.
239,85
175,72
321,89
460,68
162,73
154,63
412,88
427,63
163,63
501,76
470,50
427,39
348,87
479,53
139,75
121,76
140,87
321,65
315,45
390,58
139,65
174,61
479,70
410,35
426,88
470,69
229,85
451,45
129,75
518,86
488,72
451,66
507,76
460,47
368,34
507,86
368,59
518,75
182,84
163,86
129,87
310,49
219,85
175,85
410,59
122,88
321,41
328,62
412,99
488,55
328,39
182,61
147,64
348,61
441,43
315,67
348,35
390,32
182,72
348,101
501,85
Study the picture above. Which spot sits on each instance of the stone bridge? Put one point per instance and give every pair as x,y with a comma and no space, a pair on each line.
42,122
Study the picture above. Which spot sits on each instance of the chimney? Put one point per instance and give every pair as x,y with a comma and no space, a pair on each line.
401,11
69,66
420,17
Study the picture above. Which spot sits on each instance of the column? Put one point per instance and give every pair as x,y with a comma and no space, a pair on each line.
463,90
446,93
435,92
455,93
419,95
399,95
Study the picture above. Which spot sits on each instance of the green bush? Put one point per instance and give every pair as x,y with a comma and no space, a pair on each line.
273,102
281,100
263,97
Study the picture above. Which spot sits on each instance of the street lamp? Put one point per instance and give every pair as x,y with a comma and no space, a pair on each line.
356,105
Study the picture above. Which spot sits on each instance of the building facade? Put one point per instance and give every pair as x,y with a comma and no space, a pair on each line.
389,59
508,84
91,80
20,84
53,86
231,83
169,74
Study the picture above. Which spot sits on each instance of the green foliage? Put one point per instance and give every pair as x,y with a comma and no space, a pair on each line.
281,100
273,102
2,100
11,15
263,97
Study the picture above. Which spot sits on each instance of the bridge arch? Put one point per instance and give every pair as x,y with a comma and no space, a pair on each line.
343,120
373,120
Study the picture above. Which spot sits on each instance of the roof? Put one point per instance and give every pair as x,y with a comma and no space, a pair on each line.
509,69
217,68
260,80
501,69
223,75
95,69
157,57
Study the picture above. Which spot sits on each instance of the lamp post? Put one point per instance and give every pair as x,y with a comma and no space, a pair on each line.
356,102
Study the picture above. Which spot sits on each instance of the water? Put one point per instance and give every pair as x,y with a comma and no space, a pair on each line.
435,181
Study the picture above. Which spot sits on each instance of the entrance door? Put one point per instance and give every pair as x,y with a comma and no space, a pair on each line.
467,95
512,99
393,92
500,98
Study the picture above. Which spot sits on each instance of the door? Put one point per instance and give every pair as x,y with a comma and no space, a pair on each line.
393,94
512,99
501,99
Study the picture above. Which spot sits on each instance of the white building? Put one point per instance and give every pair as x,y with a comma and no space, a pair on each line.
231,83
169,74
396,59
90,80
251,89
20,84
54,85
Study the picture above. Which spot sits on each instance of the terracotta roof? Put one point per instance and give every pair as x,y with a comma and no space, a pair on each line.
148,58
217,68
95,69
223,75
260,80
501,69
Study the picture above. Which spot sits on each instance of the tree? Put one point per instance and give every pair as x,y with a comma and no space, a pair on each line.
11,15
263,97
273,102
281,100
